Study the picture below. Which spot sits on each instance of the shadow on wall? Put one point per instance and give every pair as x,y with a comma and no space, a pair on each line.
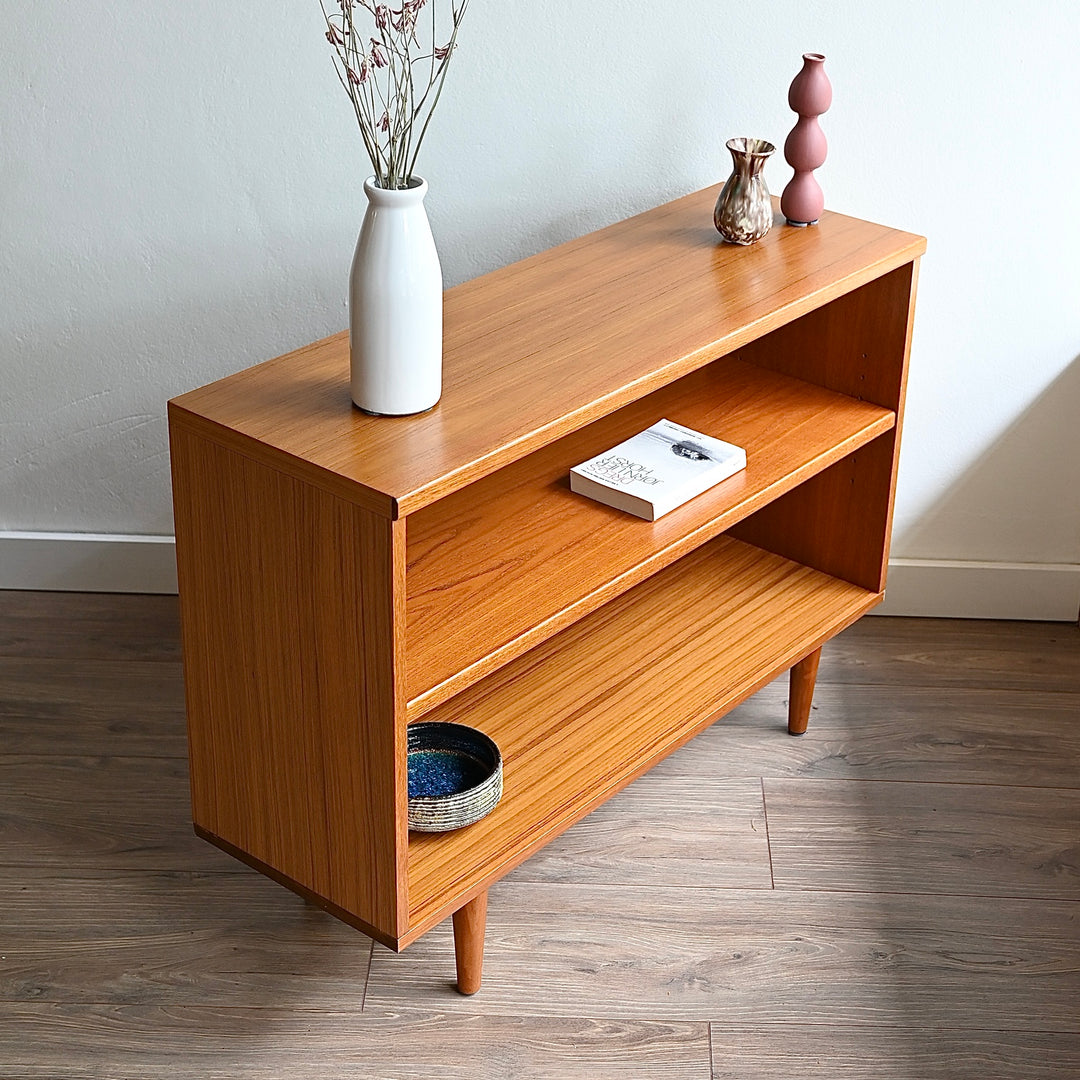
1013,518
1020,501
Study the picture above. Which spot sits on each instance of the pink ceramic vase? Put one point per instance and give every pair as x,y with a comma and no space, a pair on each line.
810,95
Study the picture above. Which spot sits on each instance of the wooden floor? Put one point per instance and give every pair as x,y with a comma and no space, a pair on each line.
894,895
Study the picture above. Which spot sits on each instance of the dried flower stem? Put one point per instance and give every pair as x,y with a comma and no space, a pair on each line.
393,106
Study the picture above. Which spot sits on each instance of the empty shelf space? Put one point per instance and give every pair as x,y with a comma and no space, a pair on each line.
498,567
589,709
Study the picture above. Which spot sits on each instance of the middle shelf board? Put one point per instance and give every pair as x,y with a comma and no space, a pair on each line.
501,565
585,712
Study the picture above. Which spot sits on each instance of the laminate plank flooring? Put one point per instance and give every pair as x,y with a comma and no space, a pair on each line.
101,813
747,956
893,894
205,1043
50,706
843,1052
124,937
959,839
665,831
875,732
961,652
89,626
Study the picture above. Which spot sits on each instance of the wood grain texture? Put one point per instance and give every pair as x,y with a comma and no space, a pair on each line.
836,522
88,707
106,812
775,1051
593,707
196,975
341,574
469,923
89,626
741,956
907,733
184,1042
841,521
702,832
565,336
171,939
801,692
292,657
860,341
944,838
964,652
514,558
904,292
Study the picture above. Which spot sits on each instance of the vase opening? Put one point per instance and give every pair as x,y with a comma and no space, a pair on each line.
416,192
815,56
412,182
751,147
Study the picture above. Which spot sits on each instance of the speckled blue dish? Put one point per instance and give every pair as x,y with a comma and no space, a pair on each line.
455,776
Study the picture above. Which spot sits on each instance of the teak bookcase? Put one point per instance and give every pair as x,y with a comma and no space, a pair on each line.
343,575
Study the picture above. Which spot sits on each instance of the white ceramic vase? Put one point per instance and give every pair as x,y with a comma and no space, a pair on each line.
396,305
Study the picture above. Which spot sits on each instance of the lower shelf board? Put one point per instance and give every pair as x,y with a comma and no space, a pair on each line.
581,715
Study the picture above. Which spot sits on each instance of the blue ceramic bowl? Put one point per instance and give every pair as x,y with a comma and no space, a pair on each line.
455,776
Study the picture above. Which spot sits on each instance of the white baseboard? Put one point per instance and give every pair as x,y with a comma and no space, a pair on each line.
87,562
939,588
94,562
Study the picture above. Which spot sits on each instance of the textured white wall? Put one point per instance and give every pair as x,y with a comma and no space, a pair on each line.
180,190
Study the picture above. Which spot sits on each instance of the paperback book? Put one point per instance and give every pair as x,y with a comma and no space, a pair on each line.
657,470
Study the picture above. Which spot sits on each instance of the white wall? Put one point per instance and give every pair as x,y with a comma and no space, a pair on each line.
181,188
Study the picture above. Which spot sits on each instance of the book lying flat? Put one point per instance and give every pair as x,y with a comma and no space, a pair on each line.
657,470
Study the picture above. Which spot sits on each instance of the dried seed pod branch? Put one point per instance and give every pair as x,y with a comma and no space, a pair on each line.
393,69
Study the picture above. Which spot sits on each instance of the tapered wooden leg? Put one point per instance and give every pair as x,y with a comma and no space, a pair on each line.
803,675
469,923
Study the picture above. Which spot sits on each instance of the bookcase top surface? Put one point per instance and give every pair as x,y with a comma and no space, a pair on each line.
543,346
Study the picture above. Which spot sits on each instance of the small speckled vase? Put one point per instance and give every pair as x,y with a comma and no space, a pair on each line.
744,212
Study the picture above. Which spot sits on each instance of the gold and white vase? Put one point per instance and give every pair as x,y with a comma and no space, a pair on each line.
396,305
744,212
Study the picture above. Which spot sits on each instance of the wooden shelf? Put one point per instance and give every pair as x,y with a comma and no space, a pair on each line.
514,558
584,713
544,346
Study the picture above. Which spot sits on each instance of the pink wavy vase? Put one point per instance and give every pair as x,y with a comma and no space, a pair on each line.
810,95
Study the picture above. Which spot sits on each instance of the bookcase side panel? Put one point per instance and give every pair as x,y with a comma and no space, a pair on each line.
292,661
856,345
840,521
836,522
